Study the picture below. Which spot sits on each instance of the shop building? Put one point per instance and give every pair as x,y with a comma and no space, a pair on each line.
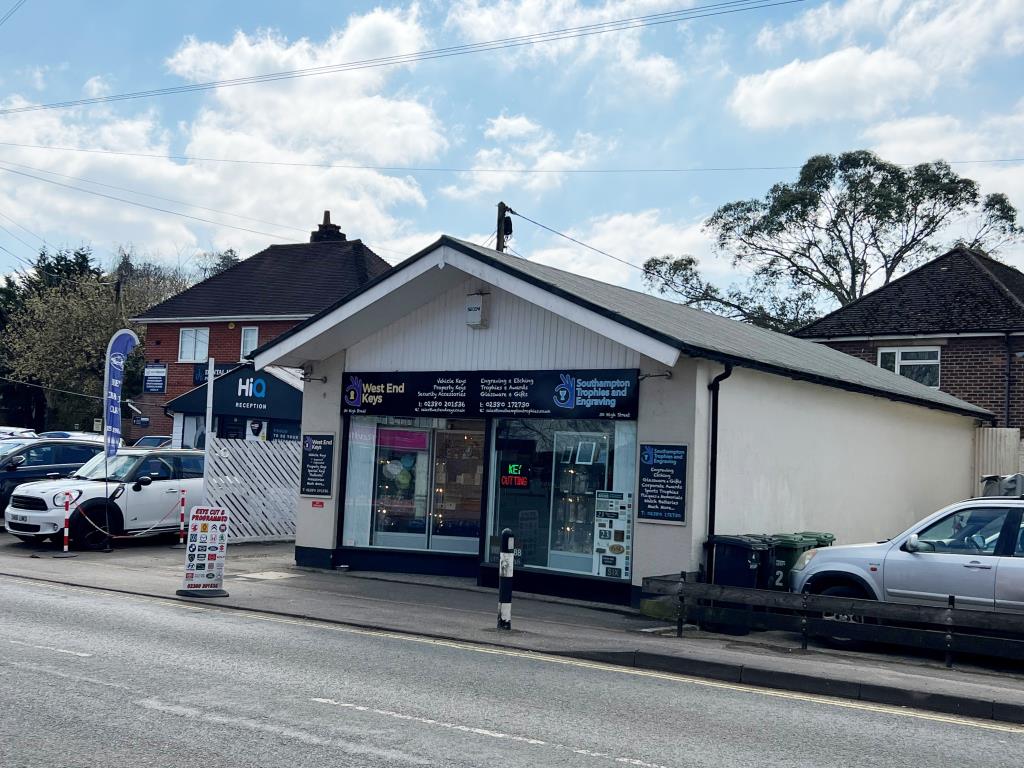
467,391
247,405
231,313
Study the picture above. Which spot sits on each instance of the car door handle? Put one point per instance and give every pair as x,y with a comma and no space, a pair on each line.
171,490
979,566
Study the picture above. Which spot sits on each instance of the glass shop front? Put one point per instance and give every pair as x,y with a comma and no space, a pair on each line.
439,463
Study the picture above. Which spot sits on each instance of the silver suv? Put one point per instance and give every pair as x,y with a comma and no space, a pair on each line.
972,550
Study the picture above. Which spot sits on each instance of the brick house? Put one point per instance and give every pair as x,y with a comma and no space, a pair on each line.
231,313
955,323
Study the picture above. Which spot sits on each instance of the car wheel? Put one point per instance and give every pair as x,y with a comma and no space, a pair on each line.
838,640
88,530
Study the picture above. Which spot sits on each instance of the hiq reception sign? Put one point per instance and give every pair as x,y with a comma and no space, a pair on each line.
568,394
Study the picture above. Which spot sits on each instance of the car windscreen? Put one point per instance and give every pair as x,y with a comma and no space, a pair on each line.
10,446
117,468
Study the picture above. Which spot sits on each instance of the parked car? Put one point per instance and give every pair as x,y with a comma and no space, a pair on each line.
153,441
77,435
15,432
24,461
137,491
972,550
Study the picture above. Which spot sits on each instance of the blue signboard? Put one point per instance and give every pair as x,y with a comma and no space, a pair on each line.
154,378
662,491
121,345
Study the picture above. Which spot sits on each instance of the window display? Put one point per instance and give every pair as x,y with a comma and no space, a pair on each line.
549,477
414,483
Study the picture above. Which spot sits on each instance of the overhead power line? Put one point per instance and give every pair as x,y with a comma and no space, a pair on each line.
149,195
578,242
447,169
142,205
10,13
568,33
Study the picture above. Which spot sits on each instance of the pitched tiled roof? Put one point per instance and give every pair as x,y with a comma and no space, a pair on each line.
284,280
962,291
694,332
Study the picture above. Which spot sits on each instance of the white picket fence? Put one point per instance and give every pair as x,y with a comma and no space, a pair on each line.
258,483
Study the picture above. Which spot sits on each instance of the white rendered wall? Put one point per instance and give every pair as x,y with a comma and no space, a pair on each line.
321,412
674,411
520,335
796,456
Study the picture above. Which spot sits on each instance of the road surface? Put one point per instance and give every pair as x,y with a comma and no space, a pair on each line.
99,679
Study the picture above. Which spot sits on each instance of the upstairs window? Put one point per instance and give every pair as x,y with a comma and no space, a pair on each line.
250,340
193,345
918,363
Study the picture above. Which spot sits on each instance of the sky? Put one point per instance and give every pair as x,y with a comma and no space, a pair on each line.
757,90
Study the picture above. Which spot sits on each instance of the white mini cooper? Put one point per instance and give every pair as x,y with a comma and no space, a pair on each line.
136,492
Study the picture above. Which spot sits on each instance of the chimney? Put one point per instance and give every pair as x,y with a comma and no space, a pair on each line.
326,231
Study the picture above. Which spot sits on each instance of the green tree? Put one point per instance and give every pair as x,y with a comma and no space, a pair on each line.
214,262
23,405
848,224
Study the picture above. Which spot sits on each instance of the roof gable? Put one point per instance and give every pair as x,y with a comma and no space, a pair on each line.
962,291
296,280
666,323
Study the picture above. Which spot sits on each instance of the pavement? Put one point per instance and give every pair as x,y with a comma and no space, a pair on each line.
263,578
96,678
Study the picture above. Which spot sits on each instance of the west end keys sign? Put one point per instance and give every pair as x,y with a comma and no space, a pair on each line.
569,394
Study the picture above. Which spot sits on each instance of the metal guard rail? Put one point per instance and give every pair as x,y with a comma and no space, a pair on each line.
950,630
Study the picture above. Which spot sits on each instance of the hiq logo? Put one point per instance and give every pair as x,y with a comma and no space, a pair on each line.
565,393
252,388
647,457
117,360
353,394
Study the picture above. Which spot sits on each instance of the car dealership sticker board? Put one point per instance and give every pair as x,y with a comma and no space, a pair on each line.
205,553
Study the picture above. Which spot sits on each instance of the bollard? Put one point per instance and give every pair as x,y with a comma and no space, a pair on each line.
66,552
505,563
181,522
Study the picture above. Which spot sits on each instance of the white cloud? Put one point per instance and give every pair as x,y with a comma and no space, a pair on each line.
506,127
96,86
621,55
850,83
525,146
352,117
894,52
934,137
632,237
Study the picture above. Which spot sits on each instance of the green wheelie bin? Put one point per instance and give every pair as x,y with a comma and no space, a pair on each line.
787,550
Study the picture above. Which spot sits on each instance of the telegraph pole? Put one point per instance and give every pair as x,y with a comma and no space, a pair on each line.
501,231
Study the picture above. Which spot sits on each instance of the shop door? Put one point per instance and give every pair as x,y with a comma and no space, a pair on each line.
580,468
458,490
401,488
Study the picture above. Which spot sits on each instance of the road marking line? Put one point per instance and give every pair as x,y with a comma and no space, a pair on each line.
305,737
550,659
52,648
66,676
488,732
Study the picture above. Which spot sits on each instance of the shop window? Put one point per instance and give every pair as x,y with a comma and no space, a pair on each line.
918,363
549,476
414,483
193,345
250,340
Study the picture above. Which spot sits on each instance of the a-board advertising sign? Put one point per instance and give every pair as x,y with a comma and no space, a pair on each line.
206,549
317,469
662,487
561,394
